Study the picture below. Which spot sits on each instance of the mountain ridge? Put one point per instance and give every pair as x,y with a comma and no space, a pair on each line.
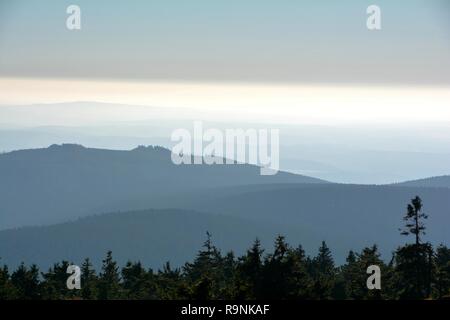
61,182
431,182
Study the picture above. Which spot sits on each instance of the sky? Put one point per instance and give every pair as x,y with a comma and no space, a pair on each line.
254,40
352,99
294,61
337,105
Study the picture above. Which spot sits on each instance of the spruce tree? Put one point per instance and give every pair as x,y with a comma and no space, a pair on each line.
323,273
206,269
54,283
26,282
370,256
171,285
89,281
414,220
7,290
109,282
414,262
276,271
351,277
249,273
298,281
137,282
442,283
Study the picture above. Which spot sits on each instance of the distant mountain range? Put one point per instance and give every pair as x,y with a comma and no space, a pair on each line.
433,182
64,182
163,211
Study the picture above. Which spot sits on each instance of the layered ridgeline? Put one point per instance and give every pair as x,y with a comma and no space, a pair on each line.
150,236
234,203
60,183
432,182
346,217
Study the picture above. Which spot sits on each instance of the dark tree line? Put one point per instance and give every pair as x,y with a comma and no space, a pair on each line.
416,271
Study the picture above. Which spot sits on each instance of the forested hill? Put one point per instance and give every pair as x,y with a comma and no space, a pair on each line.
150,236
63,182
432,182
54,187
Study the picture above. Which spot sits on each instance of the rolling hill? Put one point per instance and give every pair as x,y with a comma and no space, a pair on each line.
151,236
346,216
432,182
64,182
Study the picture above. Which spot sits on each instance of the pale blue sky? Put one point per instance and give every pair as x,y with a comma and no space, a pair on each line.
235,40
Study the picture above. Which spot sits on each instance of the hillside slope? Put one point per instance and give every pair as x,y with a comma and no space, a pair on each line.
60,183
432,182
347,216
151,236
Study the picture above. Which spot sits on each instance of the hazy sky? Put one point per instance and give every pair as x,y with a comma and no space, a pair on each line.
205,40
267,103
273,61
